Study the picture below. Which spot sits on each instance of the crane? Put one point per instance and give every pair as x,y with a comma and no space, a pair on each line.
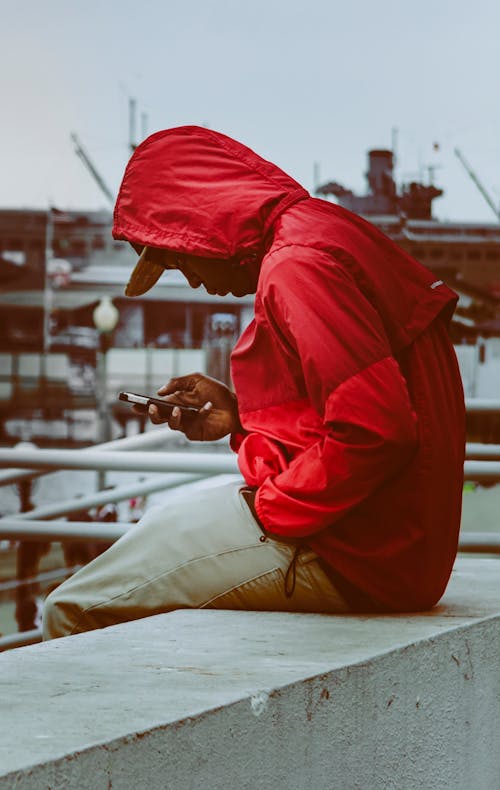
477,182
80,151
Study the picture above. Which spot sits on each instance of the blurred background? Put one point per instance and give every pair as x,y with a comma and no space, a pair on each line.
299,82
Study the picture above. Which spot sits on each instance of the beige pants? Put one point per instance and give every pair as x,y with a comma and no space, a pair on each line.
203,551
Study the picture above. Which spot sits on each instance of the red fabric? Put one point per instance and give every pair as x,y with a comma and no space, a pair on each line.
194,190
347,385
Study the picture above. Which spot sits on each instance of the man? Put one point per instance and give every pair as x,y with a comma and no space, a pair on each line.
347,415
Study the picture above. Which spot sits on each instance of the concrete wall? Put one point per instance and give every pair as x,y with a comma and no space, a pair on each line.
225,700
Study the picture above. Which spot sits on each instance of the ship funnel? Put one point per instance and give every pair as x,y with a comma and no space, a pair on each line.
380,172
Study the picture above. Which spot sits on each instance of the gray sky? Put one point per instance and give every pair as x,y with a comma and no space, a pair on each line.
299,82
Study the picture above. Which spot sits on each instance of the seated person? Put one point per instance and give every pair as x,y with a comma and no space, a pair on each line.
347,412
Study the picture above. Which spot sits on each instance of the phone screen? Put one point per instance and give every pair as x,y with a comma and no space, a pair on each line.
164,407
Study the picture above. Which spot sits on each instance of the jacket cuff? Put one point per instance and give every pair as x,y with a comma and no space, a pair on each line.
235,440
264,521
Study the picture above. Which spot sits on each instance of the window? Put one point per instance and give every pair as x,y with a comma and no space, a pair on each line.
98,243
77,247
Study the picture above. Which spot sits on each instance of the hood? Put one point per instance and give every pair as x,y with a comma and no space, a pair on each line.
194,190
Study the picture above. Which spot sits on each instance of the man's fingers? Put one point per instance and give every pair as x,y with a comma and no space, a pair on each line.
190,397
179,384
154,415
175,419
168,388
206,409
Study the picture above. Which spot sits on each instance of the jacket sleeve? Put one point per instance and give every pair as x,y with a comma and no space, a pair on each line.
350,376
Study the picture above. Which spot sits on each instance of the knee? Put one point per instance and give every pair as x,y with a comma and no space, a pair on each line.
59,615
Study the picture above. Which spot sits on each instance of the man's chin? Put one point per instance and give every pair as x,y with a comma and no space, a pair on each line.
233,291
240,292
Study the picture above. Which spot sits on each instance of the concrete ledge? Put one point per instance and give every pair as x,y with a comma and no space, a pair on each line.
225,700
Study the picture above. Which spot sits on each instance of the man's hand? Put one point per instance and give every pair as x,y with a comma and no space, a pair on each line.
217,407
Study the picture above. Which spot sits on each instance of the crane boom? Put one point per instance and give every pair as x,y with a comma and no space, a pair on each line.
80,151
477,182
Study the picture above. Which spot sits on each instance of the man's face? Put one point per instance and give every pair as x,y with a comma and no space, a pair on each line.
218,276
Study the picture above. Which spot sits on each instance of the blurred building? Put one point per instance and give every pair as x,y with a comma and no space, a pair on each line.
55,267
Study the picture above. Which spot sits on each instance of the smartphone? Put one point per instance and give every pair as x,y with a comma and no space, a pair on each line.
164,407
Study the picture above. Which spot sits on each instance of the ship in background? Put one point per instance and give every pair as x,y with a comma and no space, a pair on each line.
56,266
465,254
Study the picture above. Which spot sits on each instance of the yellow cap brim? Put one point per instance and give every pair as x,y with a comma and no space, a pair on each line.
145,274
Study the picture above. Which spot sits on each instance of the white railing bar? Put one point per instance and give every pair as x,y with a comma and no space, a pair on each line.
118,494
201,463
21,639
481,405
482,452
153,438
63,531
205,463
108,532
482,470
480,542
46,576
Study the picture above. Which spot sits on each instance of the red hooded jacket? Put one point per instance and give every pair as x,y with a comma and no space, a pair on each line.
333,439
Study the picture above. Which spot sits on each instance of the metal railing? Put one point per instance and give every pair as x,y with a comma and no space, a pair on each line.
149,440
62,532
482,465
482,405
201,463
132,454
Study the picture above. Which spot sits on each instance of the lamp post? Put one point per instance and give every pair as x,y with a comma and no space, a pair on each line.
105,318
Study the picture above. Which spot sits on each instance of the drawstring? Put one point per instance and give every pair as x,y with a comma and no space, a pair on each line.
291,574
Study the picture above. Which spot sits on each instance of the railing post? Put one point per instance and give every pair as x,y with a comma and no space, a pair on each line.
102,404
28,556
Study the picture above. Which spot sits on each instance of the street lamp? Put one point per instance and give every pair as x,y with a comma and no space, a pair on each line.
105,317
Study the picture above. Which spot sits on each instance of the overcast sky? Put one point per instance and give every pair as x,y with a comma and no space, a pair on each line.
299,82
